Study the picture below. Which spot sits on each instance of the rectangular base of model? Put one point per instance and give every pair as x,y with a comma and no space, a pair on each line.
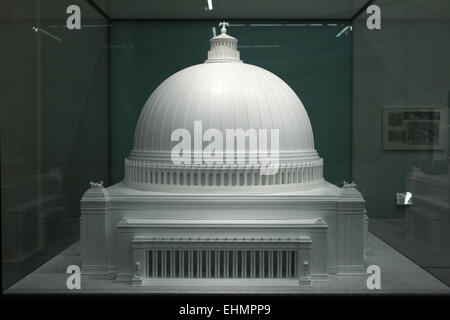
247,239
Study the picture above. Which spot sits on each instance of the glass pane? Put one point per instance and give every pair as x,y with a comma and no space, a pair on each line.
54,127
401,92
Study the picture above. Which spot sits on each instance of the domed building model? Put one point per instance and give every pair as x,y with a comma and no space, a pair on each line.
223,186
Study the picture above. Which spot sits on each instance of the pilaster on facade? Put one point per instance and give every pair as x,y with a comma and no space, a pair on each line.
351,212
94,206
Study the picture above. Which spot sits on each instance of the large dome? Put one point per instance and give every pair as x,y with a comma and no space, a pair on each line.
223,96
223,93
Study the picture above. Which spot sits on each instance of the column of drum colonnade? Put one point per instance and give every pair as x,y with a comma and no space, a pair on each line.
224,175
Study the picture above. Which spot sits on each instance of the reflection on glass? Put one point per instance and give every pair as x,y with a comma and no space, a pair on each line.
54,129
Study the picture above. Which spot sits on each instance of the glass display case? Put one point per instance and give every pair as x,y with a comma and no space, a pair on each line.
118,174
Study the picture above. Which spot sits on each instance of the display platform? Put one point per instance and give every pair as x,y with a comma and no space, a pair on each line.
399,275
434,260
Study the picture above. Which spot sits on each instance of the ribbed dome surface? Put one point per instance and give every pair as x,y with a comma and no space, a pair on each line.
223,96
224,93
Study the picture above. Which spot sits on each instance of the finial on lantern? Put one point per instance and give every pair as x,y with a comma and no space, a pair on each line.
223,24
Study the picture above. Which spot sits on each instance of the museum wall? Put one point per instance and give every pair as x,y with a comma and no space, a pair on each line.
403,65
308,56
54,127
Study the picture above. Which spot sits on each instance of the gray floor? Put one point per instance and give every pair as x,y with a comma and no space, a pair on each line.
435,262
398,275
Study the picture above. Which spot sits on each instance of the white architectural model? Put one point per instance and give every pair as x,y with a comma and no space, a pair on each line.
222,223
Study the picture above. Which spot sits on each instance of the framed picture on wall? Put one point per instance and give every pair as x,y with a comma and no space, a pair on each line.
413,129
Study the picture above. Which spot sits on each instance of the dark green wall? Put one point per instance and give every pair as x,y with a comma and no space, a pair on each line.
311,59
